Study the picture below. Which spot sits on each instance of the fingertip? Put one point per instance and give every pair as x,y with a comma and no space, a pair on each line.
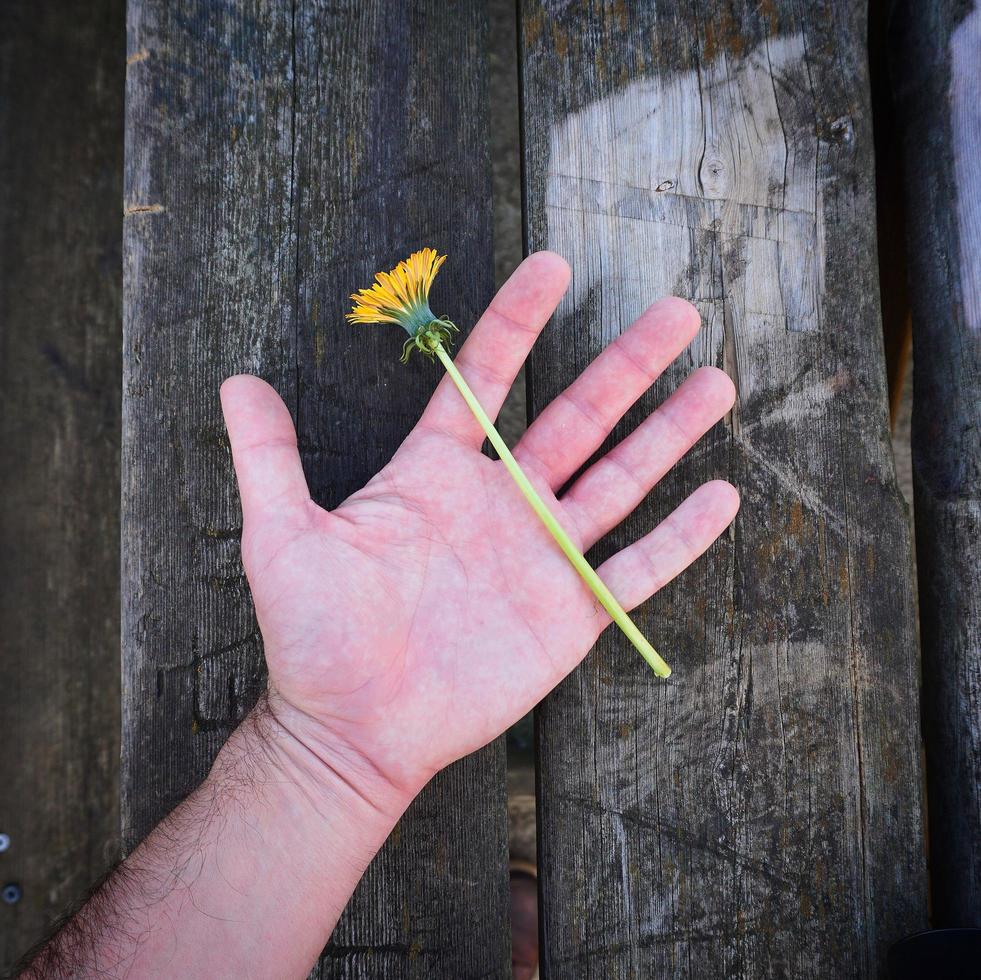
666,328
539,282
661,333
550,264
236,387
533,290
243,390
725,496
719,383
679,312
254,410
241,382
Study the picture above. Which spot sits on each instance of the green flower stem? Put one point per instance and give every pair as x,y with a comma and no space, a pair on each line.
574,555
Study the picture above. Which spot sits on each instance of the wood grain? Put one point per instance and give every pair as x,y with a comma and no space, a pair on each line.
937,75
61,160
759,814
277,155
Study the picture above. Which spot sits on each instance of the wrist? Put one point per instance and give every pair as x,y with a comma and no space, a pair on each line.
251,871
300,757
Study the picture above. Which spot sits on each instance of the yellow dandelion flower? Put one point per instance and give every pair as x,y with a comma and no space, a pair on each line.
402,296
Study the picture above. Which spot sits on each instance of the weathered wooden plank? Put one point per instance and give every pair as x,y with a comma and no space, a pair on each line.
937,74
61,159
277,155
400,160
758,814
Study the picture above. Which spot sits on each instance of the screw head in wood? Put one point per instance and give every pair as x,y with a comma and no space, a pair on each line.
4,842
11,893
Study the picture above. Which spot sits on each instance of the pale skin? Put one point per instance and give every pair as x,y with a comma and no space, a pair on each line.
402,630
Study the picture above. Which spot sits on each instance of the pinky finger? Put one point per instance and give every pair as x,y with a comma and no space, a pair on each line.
638,571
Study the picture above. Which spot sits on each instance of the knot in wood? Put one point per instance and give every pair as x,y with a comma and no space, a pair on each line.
713,176
841,130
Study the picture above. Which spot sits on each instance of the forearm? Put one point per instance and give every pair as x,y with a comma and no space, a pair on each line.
247,877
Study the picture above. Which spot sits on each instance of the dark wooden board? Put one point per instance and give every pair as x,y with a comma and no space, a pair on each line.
277,156
61,161
758,814
399,161
937,77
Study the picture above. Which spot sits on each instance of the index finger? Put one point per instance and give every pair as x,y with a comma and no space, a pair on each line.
498,345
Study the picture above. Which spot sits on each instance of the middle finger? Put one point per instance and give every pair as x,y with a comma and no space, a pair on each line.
573,426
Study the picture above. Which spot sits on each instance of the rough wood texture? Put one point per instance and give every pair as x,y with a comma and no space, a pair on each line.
61,159
759,814
937,74
277,155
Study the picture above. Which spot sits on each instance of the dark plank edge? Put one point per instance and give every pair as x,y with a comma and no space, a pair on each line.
936,74
61,159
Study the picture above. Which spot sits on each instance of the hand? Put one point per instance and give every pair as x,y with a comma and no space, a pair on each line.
431,609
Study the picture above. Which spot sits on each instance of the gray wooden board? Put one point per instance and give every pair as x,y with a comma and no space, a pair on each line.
61,161
758,814
277,156
937,77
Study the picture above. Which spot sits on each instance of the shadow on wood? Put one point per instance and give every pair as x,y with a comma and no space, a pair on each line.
937,78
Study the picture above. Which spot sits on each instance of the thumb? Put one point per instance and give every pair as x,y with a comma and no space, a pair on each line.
267,463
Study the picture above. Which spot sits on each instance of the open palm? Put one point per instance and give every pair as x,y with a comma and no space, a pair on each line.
431,609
